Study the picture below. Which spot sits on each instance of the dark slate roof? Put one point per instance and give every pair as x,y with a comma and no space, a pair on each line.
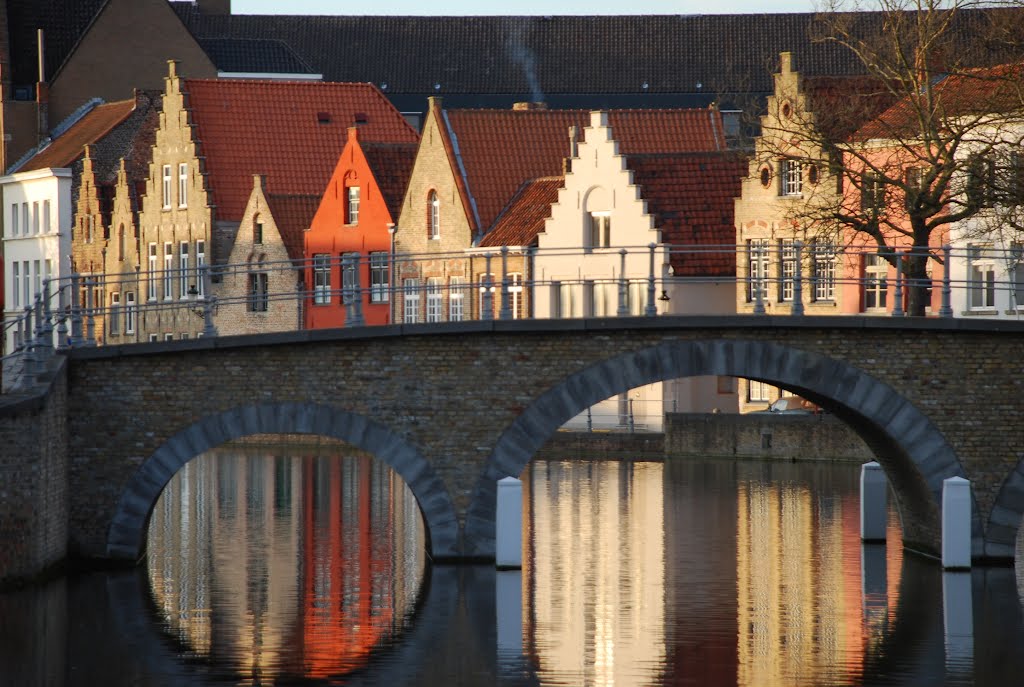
63,22
547,58
391,164
254,55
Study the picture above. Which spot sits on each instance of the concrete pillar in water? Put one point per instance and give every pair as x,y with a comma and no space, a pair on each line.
509,525
956,524
874,494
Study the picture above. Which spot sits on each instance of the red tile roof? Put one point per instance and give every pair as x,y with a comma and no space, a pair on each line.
524,216
293,215
692,199
94,125
391,164
973,91
498,150
290,131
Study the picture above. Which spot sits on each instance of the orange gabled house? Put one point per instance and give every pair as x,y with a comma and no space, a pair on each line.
352,231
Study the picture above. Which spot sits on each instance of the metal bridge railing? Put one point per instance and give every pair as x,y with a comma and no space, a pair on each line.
502,283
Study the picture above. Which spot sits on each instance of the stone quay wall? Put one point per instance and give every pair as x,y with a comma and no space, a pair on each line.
34,478
763,436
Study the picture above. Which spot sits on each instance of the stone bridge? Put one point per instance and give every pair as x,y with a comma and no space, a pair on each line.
455,407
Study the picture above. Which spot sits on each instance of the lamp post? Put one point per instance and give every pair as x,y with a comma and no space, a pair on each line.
391,272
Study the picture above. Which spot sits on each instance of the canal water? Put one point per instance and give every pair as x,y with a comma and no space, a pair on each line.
307,567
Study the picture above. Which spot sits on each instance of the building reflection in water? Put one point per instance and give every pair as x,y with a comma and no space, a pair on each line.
627,569
594,573
285,566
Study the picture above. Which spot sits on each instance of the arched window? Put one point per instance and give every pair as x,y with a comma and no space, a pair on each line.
433,216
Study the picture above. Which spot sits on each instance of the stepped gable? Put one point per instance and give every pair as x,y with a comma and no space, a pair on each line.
692,199
524,216
291,131
499,150
391,164
293,215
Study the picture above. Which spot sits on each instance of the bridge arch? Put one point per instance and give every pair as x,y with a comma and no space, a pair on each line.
914,453
126,536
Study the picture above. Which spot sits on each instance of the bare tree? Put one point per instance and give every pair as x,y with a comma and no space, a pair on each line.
921,140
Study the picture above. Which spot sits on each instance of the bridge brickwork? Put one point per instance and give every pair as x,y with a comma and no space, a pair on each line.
452,408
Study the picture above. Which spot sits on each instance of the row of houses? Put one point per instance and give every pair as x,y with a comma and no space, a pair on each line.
234,193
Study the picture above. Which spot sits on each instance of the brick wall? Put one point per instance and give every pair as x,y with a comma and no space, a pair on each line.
34,479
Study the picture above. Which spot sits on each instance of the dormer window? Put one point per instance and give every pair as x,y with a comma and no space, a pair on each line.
352,206
257,230
433,216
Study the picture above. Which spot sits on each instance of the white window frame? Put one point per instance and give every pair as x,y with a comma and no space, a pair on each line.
168,280
259,295
114,321
151,282
16,285
758,257
758,392
435,299
46,228
129,312
352,205
515,294
321,279
182,184
410,301
15,216
599,229
26,281
791,179
824,270
981,277
787,269
876,284
183,273
349,277
456,299
165,187
433,216
201,267
380,277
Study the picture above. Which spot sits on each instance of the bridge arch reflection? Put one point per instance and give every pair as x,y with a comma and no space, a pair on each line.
914,453
127,534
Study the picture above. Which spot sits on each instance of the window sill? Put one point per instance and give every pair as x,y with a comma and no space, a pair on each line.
980,312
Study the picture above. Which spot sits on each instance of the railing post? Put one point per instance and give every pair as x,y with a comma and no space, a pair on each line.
897,306
946,310
798,280
757,280
487,293
506,306
62,327
28,357
90,314
651,310
590,421
46,341
632,424
76,312
529,277
623,310
208,302
354,317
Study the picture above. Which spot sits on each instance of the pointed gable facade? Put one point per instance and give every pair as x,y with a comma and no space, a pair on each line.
214,136
349,242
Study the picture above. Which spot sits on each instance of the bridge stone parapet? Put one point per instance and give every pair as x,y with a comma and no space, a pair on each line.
455,407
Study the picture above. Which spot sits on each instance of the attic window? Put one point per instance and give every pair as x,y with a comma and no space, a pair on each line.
766,176
323,117
361,118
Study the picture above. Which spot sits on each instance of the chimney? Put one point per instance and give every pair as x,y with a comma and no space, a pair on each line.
214,6
785,62
528,106
573,150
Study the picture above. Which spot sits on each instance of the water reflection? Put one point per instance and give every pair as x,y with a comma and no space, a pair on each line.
308,569
285,565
